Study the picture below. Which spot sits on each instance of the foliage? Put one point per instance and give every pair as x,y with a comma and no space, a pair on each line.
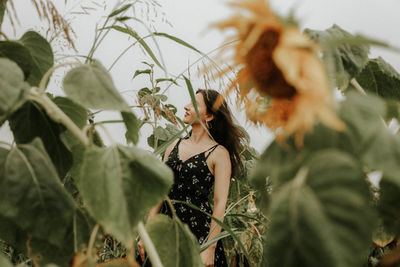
66,198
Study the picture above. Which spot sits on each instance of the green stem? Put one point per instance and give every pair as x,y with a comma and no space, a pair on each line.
4,35
123,52
235,204
150,249
109,121
75,234
112,141
153,107
56,114
91,244
171,206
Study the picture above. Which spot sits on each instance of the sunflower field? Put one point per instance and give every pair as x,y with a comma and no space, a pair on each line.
69,198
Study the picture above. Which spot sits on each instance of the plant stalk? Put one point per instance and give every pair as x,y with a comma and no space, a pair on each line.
151,250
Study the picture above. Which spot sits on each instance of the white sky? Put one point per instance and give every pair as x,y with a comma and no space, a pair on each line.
190,18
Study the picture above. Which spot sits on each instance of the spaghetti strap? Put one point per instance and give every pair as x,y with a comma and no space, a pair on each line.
177,143
210,150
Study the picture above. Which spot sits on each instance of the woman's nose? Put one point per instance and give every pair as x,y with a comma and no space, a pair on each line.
186,107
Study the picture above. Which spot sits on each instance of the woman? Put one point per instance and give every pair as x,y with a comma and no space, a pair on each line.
201,161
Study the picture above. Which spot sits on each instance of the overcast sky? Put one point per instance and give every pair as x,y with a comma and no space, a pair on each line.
190,20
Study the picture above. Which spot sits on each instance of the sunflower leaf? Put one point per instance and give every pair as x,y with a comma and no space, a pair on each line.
175,243
322,216
345,55
129,181
380,78
42,56
32,195
91,86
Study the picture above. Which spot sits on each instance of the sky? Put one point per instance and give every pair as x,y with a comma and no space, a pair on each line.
190,20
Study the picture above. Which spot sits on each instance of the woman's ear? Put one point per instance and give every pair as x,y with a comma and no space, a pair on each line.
209,117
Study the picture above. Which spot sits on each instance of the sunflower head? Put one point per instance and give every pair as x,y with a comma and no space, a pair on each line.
280,63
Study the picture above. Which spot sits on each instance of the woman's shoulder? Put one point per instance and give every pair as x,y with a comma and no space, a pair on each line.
221,151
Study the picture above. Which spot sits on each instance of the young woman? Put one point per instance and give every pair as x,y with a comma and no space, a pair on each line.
201,163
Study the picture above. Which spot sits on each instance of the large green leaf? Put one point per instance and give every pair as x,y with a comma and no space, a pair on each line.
91,86
344,60
9,231
322,216
78,234
40,250
12,234
175,243
133,125
380,78
32,195
14,90
42,56
371,142
31,121
365,137
18,53
124,183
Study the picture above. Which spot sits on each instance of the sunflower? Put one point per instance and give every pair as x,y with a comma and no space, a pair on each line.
280,63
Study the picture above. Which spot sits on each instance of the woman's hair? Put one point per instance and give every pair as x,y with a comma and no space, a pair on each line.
222,128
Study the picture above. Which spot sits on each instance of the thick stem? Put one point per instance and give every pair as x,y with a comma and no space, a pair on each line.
91,244
150,249
75,234
357,86
58,115
171,206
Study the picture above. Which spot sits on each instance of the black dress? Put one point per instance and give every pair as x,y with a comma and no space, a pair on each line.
193,183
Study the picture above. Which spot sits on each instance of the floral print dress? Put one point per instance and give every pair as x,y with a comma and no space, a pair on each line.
193,183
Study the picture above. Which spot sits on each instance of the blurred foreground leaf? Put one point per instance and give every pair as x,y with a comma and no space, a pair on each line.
14,91
124,183
175,243
344,60
322,216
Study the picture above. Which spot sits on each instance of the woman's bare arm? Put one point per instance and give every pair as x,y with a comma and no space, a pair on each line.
222,176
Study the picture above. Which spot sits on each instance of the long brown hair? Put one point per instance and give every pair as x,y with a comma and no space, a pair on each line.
222,128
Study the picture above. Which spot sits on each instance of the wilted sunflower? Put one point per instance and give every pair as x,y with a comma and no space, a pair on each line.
279,62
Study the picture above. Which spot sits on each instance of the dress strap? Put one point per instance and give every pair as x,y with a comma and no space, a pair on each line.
210,150
177,143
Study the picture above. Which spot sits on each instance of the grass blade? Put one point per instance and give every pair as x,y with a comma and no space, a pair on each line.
177,40
140,40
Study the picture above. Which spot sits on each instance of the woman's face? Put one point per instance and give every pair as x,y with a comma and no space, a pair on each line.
190,112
